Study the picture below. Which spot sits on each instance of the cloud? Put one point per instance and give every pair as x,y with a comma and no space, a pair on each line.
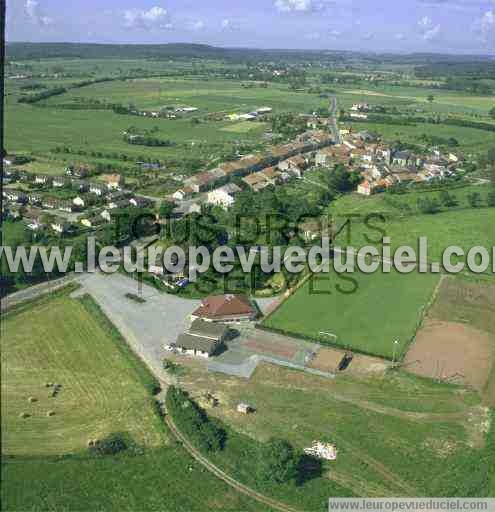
485,26
36,14
156,17
400,36
429,31
197,25
295,5
228,24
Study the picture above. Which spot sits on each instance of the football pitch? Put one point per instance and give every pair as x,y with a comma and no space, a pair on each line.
376,314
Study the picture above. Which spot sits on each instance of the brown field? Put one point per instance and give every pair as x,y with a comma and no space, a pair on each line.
328,360
282,349
451,352
457,341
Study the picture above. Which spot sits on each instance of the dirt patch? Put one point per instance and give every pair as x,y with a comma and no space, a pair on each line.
328,360
453,352
276,348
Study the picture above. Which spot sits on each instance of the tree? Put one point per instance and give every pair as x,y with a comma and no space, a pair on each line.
166,209
428,206
447,199
491,198
474,199
277,462
492,113
431,99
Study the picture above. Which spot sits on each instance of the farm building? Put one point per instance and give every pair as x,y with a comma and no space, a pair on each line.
225,308
203,339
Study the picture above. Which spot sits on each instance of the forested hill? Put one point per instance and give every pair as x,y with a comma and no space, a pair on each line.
23,51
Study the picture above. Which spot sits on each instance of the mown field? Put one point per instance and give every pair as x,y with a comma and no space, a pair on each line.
357,311
404,224
46,465
396,435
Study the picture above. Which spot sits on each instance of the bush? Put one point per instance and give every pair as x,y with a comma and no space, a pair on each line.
277,462
193,421
111,445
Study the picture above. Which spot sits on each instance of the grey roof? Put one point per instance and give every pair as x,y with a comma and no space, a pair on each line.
190,342
209,330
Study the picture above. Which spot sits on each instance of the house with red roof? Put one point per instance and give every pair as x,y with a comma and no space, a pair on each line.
225,308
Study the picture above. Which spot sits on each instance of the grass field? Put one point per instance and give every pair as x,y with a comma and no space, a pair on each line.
38,348
462,226
245,126
362,315
396,435
45,465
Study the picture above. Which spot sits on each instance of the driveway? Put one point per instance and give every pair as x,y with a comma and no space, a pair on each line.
147,326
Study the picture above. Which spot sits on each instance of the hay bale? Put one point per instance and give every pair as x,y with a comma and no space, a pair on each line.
24,415
50,413
32,399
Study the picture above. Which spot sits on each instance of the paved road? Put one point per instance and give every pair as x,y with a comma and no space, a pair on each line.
146,327
333,121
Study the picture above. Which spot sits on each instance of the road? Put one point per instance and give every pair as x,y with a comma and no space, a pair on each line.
333,121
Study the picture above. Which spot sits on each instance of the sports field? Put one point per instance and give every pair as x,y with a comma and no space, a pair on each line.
358,311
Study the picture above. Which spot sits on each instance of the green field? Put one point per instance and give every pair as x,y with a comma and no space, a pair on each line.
462,226
396,435
362,313
45,462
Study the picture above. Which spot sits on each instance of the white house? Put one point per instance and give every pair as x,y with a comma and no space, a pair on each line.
223,196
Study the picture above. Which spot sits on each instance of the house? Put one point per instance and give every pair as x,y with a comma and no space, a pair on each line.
107,215
297,164
80,185
42,179
50,203
256,181
202,339
83,201
120,203
60,181
225,308
34,198
32,217
66,206
403,158
223,196
140,202
186,208
60,225
93,221
17,196
183,193
97,189
78,172
366,188
114,181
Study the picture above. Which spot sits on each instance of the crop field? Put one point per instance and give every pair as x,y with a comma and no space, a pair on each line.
444,101
471,303
396,435
244,127
38,348
45,462
357,311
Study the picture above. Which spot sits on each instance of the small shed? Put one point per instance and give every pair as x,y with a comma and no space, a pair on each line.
245,408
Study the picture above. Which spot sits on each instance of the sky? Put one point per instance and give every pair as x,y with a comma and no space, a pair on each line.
439,26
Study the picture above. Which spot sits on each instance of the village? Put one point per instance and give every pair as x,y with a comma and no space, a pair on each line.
67,204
